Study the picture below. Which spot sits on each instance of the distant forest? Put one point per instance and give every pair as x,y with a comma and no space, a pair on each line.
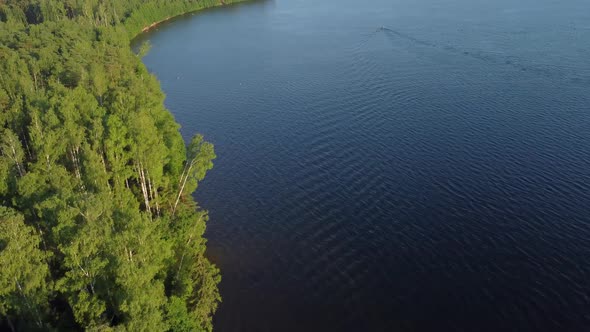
98,228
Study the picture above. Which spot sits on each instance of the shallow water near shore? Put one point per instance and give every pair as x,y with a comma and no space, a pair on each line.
390,165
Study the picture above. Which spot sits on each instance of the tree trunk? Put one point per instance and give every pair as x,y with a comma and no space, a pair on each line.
143,186
181,189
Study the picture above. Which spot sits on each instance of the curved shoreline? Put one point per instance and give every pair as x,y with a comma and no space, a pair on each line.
156,23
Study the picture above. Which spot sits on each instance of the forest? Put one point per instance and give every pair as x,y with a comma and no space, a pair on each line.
98,227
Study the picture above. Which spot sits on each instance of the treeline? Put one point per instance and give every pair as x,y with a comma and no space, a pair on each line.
134,15
98,229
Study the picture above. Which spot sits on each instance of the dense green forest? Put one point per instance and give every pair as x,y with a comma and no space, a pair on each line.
98,228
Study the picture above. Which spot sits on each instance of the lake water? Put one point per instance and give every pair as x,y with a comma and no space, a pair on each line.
391,165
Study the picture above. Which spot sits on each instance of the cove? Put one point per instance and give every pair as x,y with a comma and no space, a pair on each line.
390,166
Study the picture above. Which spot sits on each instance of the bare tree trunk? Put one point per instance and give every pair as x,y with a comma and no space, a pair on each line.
35,78
143,186
14,158
153,192
76,163
157,202
129,254
181,189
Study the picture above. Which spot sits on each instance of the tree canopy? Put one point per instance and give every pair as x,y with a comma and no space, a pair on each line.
98,228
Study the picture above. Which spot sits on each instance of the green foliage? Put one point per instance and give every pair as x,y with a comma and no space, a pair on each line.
98,229
24,277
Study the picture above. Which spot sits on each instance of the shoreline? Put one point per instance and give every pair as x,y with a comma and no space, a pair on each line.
155,24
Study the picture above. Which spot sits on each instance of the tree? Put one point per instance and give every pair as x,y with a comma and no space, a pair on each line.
23,279
12,150
199,160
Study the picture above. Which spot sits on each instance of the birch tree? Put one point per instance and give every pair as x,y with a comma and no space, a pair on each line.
199,160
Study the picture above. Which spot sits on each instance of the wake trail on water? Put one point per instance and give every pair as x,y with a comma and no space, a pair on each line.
549,71
373,85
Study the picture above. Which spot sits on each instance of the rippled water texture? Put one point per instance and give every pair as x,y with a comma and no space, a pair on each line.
405,165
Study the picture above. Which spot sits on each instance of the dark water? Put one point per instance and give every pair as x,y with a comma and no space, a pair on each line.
405,165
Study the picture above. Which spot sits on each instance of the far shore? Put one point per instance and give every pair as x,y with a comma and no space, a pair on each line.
155,24
145,29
